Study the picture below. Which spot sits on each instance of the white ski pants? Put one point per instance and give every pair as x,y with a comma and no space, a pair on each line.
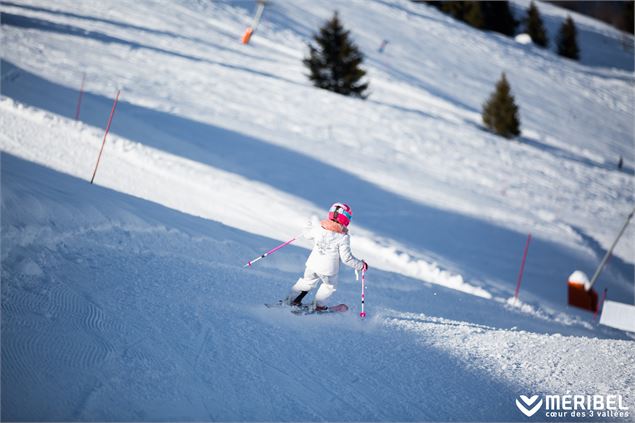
310,281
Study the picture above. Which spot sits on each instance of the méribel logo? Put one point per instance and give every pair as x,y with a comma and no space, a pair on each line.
528,406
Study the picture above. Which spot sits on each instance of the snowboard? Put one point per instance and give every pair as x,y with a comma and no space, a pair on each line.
305,309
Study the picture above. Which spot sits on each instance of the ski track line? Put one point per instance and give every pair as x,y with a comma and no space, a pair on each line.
72,333
88,316
18,355
74,350
22,302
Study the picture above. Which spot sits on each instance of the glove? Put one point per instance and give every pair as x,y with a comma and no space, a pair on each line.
364,266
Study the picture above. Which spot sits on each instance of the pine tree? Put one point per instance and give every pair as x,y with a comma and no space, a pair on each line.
473,14
498,17
535,26
629,19
500,113
334,61
456,9
567,40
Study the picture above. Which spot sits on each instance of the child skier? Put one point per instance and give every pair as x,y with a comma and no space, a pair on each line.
331,243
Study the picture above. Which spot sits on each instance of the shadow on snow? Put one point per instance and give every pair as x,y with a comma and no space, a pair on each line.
479,249
169,312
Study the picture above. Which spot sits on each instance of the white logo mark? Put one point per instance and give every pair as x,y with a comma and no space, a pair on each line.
526,405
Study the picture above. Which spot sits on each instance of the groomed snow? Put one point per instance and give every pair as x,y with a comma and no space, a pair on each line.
127,300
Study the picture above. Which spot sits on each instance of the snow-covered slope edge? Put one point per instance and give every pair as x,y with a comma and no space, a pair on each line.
117,308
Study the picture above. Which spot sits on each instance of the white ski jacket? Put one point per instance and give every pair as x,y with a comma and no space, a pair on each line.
331,243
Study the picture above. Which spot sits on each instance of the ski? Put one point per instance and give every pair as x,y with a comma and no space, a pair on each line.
306,309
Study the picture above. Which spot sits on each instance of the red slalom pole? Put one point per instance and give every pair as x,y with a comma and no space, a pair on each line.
522,268
112,113
79,99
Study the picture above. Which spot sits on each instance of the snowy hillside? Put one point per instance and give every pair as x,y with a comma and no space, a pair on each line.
127,299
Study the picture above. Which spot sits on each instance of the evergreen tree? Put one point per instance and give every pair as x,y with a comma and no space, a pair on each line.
498,17
535,27
500,113
567,40
334,61
487,15
629,19
456,9
437,4
473,14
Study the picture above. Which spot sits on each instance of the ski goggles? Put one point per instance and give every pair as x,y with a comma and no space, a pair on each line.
337,208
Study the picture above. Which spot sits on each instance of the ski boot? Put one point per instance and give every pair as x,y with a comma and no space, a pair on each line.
296,300
317,307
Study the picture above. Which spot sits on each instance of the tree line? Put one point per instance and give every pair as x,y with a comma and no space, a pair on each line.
497,16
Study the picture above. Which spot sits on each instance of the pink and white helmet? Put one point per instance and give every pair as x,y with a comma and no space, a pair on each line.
341,213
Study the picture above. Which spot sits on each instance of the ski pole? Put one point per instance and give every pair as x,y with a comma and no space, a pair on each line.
273,250
362,314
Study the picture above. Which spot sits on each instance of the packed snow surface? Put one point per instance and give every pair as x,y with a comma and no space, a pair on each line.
127,299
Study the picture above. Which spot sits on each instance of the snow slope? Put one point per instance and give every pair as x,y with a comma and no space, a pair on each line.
116,308
146,309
